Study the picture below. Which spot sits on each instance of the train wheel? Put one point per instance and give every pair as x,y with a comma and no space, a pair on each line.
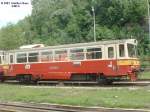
105,82
34,81
102,80
25,79
108,82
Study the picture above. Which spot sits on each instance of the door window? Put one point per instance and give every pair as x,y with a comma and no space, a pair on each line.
121,50
11,58
110,52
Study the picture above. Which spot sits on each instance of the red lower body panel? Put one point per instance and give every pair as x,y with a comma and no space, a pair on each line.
64,70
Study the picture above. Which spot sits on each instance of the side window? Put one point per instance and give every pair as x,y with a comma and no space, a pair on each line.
21,57
77,54
46,56
33,57
121,50
11,58
110,52
61,55
94,53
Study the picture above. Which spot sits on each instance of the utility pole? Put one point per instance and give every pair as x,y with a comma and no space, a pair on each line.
93,10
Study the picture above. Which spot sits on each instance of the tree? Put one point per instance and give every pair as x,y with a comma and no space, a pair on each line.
56,22
11,37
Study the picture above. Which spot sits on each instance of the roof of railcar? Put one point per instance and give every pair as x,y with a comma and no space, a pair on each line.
76,45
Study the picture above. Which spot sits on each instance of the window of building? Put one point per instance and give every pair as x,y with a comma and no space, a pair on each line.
121,50
33,57
77,54
94,53
110,52
21,58
61,55
46,56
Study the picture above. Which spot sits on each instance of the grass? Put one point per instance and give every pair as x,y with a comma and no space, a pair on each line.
144,75
124,97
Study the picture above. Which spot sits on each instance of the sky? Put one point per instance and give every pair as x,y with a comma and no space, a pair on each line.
11,11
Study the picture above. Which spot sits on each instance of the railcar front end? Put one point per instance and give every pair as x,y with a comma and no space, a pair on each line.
131,64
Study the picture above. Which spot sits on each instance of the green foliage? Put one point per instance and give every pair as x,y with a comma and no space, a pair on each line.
11,37
56,22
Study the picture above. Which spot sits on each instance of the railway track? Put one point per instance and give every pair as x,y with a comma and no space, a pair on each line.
24,107
141,82
32,108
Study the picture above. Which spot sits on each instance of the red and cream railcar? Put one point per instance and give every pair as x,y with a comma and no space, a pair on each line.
82,61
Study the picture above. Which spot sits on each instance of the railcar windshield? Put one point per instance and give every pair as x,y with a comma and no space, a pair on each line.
132,50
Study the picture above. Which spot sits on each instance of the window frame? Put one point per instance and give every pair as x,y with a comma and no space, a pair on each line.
125,53
65,58
115,47
37,57
84,53
49,59
90,47
21,53
135,51
13,57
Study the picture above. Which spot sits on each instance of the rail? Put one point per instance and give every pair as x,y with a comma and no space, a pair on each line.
31,107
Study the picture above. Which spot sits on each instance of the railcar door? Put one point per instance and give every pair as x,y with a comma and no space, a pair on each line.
11,61
111,59
11,58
